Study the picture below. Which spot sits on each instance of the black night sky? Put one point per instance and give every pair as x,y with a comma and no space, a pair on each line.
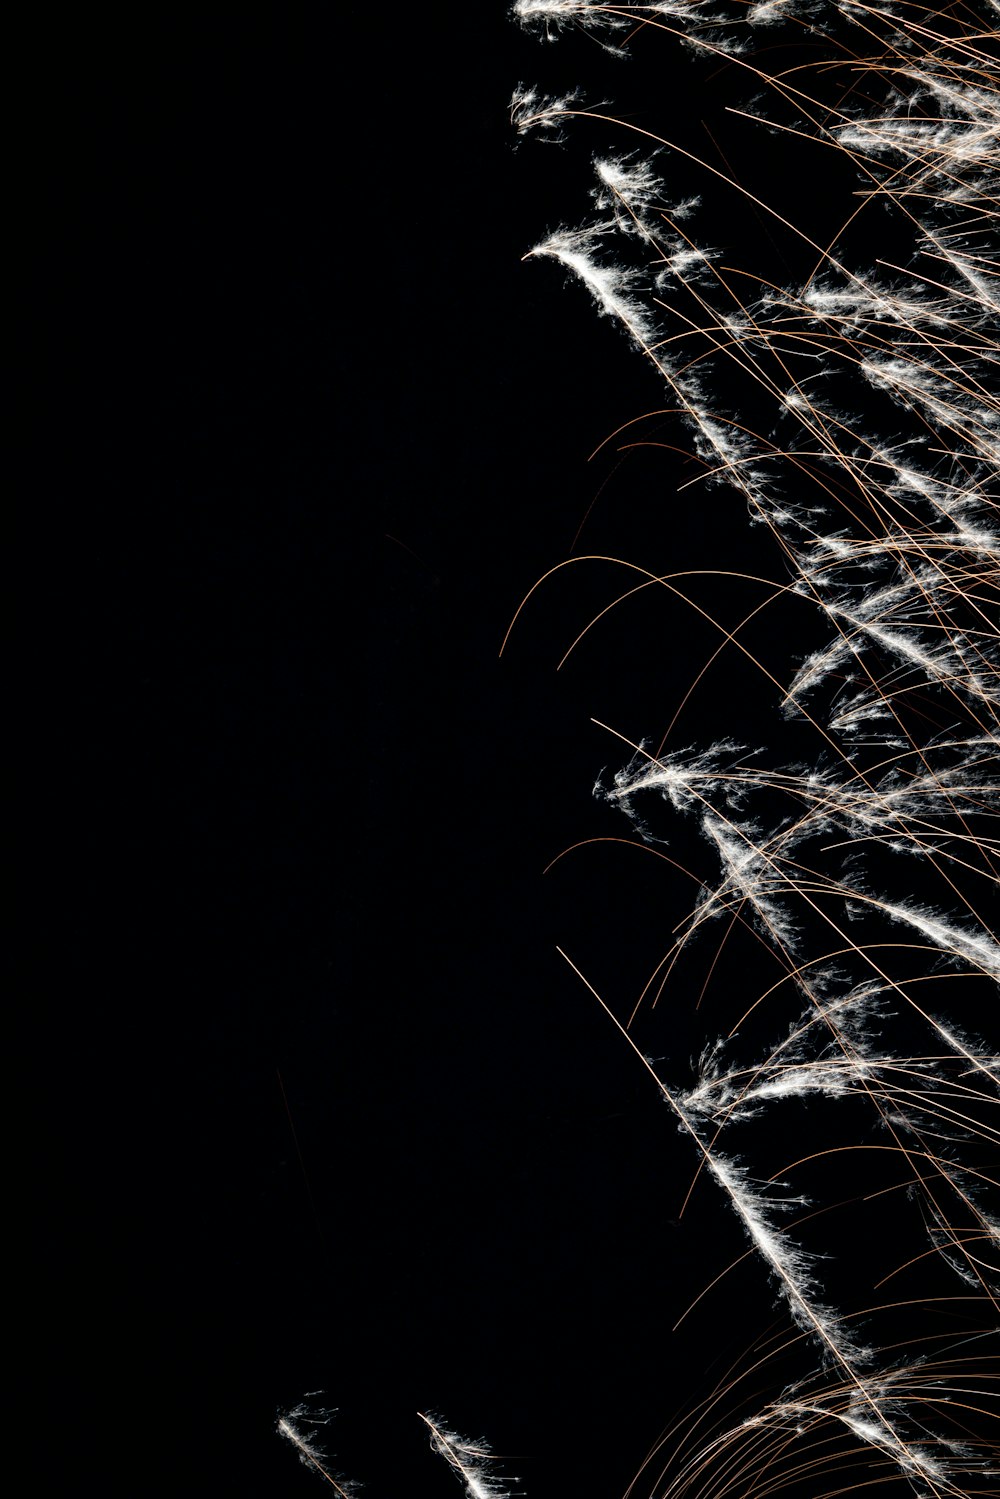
331,1113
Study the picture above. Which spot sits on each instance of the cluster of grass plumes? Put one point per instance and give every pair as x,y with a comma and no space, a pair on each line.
471,1462
856,414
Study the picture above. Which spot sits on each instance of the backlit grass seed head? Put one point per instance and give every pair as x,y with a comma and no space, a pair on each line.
471,1462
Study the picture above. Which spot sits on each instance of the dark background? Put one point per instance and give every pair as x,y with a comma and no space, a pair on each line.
331,1112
